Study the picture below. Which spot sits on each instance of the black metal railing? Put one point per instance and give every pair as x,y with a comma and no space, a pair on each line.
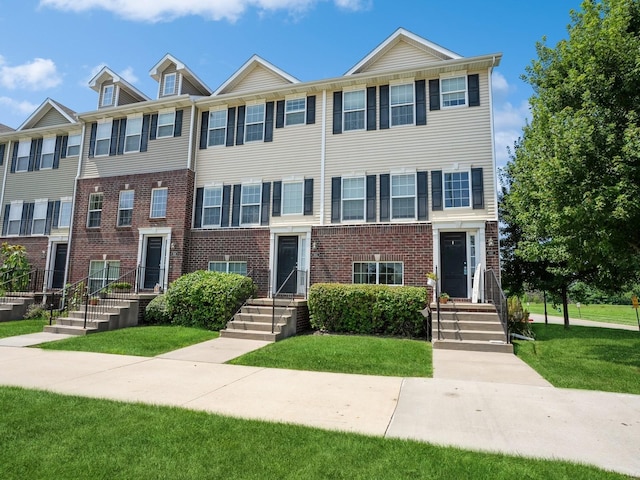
299,278
493,294
13,284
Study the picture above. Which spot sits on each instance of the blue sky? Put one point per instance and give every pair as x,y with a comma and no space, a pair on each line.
52,48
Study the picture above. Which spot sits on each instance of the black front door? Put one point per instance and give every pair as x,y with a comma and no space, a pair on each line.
59,264
453,256
287,260
152,268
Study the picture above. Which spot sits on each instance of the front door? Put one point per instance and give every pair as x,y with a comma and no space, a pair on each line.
287,261
453,252
152,265
59,264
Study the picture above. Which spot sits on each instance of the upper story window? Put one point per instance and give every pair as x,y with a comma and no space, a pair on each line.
401,100
166,122
453,91
95,210
292,198
456,189
64,220
73,145
15,218
159,202
39,217
48,149
103,138
403,196
295,111
250,204
254,123
133,134
169,87
24,149
212,207
107,95
353,195
125,208
354,110
217,127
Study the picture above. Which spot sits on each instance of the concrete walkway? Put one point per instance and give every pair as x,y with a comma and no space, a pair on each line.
481,401
539,318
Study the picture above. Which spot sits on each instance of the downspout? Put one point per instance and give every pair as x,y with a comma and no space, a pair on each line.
190,164
6,165
323,157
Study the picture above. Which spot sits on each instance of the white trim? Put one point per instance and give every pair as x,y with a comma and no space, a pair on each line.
166,254
254,61
323,155
39,112
493,143
180,67
290,231
96,82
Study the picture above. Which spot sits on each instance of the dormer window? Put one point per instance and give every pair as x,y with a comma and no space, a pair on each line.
107,96
169,87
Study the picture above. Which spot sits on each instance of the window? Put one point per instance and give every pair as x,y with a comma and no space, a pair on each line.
22,162
169,84
103,138
212,207
101,273
159,202
133,135
250,205
15,218
254,123
39,217
48,148
454,91
353,193
95,210
401,100
456,189
295,111
354,106
217,127
403,196
382,273
73,145
165,124
107,95
64,220
473,256
125,208
292,197
229,267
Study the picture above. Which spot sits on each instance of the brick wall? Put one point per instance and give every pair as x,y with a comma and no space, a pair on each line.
34,247
493,247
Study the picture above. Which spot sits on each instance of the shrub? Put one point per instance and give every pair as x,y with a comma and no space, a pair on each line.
367,309
518,318
207,299
156,311
36,310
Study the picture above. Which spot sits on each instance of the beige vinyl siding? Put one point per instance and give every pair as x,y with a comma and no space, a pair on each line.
170,69
189,89
163,154
259,78
51,118
401,56
125,98
102,85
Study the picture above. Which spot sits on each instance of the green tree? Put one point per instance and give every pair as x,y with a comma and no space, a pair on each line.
14,267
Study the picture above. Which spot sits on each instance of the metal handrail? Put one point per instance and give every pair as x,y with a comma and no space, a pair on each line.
28,280
275,296
495,295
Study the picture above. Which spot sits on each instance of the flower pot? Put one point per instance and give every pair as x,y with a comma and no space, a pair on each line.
431,282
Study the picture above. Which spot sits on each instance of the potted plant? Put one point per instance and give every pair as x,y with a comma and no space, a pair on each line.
444,297
94,300
432,278
121,286
104,292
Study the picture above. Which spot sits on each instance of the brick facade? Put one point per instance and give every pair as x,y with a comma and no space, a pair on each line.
492,244
34,247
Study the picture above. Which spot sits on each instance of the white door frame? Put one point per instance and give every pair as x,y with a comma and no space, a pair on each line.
304,253
143,234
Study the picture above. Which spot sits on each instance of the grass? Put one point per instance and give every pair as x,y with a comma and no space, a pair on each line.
49,436
22,327
345,354
622,314
144,341
589,358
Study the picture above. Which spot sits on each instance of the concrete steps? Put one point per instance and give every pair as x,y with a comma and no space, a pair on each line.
14,308
253,321
115,315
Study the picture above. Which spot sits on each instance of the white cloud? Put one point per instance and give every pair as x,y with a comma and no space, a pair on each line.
38,74
499,85
17,107
165,10
508,121
129,76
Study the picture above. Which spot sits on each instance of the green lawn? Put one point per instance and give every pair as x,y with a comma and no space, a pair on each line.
622,314
345,354
145,341
590,358
49,436
22,327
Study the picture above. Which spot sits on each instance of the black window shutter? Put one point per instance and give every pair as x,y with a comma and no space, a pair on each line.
477,188
385,197
25,222
336,196
434,94
197,222
63,147
235,210
204,130
421,102
371,198
144,134
240,127
30,208
177,126
3,148
153,129
311,109
423,213
121,136
113,146
231,124
308,196
34,163
436,190
14,157
384,106
266,198
92,139
280,114
226,205
49,219
268,122
337,113
371,108
56,214
5,222
473,84
277,199
56,152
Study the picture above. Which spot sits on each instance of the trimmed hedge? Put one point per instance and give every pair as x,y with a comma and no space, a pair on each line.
207,299
368,309
157,311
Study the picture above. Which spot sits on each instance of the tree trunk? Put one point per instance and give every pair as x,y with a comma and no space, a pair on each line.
565,306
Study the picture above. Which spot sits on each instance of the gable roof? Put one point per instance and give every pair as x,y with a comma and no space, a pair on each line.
245,70
402,35
5,129
168,59
107,74
43,109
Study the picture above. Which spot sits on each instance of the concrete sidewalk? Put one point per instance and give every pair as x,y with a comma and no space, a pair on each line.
539,318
